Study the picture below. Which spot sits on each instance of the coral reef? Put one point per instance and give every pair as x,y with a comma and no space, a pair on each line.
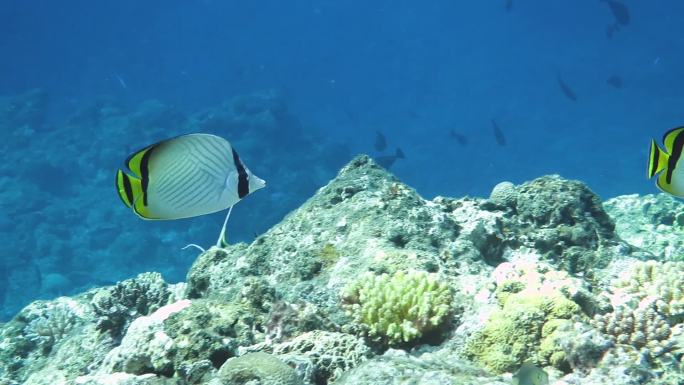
401,308
446,291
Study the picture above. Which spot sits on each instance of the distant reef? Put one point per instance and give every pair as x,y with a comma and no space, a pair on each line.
62,227
369,283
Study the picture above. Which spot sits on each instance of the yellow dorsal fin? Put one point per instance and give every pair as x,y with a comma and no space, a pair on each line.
129,188
657,159
669,138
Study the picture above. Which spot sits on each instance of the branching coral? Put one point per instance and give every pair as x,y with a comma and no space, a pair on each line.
641,328
649,304
51,325
400,308
657,282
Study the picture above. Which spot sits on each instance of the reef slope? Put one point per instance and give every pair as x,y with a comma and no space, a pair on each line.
369,283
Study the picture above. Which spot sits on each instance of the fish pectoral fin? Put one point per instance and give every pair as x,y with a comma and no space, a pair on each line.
657,159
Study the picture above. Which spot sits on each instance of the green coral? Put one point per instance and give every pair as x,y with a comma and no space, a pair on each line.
535,310
400,308
514,334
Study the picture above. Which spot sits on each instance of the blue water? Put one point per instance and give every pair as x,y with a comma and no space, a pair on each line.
116,76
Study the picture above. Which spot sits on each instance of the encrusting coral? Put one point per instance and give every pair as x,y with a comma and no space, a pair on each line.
400,308
256,368
537,310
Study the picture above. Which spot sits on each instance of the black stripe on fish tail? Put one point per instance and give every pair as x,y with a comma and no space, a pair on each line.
674,157
145,173
243,183
128,189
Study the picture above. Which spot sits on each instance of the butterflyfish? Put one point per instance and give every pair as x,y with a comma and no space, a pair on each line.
667,164
186,176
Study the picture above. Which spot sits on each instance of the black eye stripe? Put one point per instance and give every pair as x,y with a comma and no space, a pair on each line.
243,183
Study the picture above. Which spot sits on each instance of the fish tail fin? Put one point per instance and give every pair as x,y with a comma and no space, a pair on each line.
657,159
129,188
400,154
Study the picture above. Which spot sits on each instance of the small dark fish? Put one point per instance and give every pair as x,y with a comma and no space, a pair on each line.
388,160
351,116
460,138
567,91
498,134
530,374
619,10
508,5
380,142
614,81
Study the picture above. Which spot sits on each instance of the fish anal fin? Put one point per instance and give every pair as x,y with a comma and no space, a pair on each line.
128,187
661,183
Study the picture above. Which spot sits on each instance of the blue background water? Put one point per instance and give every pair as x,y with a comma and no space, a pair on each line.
299,87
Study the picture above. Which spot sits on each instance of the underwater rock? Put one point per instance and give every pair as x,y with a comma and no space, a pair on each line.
355,224
212,331
330,353
652,222
561,219
118,305
51,342
396,367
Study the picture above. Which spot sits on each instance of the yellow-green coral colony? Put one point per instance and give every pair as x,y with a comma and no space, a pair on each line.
400,308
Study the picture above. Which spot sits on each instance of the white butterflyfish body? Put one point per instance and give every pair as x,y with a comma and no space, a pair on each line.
184,177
